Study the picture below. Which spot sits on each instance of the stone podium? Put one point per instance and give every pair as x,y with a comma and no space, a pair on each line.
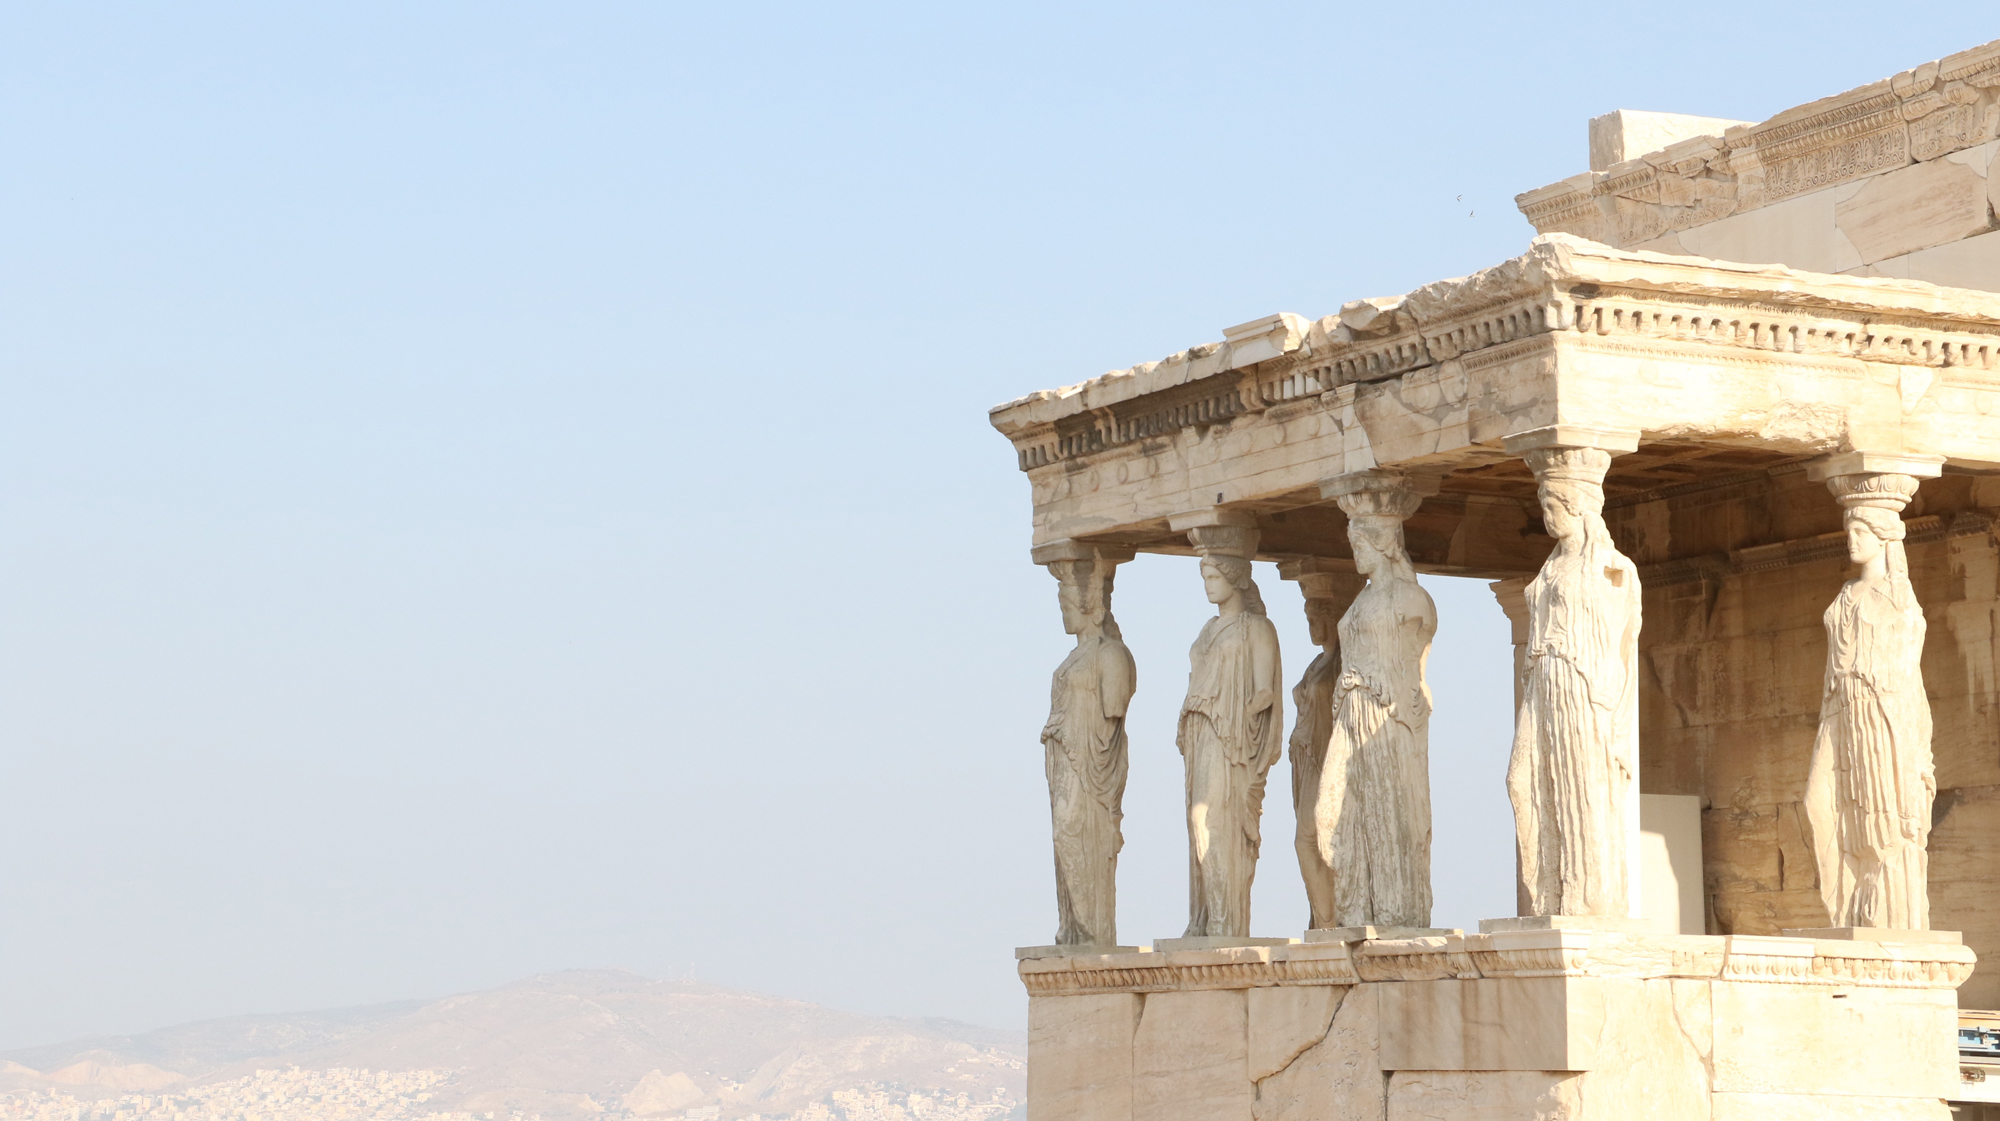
1520,1024
1742,518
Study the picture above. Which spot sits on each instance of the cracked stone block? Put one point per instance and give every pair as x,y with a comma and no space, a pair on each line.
1335,1079
1915,208
1283,1022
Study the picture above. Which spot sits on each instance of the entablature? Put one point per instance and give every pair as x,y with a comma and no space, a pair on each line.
1771,365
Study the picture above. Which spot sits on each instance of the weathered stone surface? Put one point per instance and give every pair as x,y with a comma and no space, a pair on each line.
1080,1057
1915,208
1190,1058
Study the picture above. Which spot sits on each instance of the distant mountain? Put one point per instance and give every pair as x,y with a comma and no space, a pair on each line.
568,1046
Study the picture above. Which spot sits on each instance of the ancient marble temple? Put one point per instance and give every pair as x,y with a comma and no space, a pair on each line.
1725,443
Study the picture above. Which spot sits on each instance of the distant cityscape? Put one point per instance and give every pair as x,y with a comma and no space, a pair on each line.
345,1094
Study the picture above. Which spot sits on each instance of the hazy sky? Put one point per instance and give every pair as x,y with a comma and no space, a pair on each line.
492,488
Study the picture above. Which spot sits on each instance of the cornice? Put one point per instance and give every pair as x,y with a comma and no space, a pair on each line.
1513,954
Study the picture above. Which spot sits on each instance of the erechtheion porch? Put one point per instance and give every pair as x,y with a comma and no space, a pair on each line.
1734,427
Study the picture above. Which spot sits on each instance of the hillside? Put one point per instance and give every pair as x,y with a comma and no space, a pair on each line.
569,1045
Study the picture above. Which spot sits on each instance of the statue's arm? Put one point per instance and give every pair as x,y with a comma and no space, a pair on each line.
1264,667
1119,678
1427,618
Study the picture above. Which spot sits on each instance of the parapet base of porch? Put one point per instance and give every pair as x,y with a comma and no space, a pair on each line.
1554,1024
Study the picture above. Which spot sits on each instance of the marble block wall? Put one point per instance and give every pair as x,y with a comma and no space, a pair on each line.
1895,178
1732,657
1546,1025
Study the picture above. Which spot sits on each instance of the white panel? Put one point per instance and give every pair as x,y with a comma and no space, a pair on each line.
1670,858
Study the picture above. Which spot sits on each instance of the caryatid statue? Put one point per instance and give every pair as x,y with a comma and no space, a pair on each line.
1232,729
1374,802
1328,591
1869,793
1573,776
1085,745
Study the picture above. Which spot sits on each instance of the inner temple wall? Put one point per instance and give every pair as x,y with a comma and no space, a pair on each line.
1732,658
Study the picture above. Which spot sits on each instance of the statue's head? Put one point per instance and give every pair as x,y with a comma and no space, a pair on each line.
1215,581
1224,576
1571,490
1322,620
1874,502
1870,529
1084,592
1376,507
1377,540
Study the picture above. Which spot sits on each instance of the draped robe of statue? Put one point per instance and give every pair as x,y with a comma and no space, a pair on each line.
1312,699
1229,751
1575,752
1869,793
1374,804
1086,768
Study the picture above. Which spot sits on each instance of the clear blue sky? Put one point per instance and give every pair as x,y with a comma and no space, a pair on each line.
492,488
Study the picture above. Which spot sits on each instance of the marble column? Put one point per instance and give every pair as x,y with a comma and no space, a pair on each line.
1872,782
1512,593
1573,777
1328,586
1084,745
1513,596
1373,812
1231,731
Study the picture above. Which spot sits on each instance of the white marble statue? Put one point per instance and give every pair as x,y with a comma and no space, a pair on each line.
1869,793
1374,803
1327,596
1231,731
1086,758
1573,776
